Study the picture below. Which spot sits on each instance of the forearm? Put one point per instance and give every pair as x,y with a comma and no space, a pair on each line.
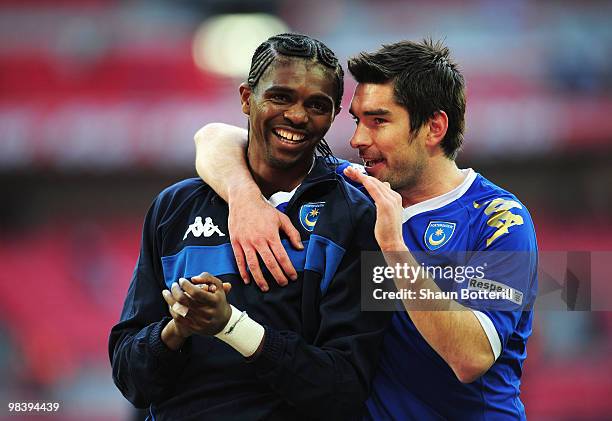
144,369
221,160
171,337
450,328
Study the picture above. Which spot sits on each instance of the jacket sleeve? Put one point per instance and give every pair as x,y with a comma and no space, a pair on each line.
143,367
330,379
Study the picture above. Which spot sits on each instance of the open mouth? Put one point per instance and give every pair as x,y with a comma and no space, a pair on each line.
289,136
369,163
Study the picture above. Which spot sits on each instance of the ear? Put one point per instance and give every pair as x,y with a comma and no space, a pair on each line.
245,97
438,125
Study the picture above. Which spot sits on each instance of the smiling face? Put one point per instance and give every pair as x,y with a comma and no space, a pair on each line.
290,110
389,151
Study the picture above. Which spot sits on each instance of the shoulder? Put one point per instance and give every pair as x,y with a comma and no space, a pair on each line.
175,197
357,201
349,215
181,191
356,213
501,218
342,165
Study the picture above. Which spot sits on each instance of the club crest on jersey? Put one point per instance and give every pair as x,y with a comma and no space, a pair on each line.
309,214
438,233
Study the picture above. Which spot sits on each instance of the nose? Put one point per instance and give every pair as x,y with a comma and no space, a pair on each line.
361,137
296,114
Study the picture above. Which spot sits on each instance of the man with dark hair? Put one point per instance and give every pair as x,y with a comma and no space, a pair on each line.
425,80
447,357
193,350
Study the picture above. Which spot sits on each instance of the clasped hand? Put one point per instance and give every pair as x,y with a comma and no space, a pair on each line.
205,310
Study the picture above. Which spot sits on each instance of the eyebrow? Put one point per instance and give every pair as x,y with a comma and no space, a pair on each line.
378,111
277,88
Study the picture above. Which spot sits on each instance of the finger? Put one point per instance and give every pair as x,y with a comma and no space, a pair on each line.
354,174
381,192
292,233
174,307
179,295
283,259
202,286
241,262
202,279
215,283
180,309
168,297
197,293
253,264
227,287
174,314
270,262
205,282
374,188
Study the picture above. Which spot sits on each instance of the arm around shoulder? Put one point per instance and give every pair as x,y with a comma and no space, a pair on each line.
221,159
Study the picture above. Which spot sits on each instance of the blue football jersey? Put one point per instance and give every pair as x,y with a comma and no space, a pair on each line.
477,224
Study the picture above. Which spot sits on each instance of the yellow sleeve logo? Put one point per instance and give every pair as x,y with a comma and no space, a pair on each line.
500,216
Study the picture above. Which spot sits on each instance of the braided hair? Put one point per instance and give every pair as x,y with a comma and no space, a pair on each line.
301,46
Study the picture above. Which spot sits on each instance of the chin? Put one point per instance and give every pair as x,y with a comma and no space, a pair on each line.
283,163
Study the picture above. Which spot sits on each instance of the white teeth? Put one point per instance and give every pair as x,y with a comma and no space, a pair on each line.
371,162
287,135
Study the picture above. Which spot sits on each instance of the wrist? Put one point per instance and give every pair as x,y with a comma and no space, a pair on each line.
393,246
242,333
172,337
246,192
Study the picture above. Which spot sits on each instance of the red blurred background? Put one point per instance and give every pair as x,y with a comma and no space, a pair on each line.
99,101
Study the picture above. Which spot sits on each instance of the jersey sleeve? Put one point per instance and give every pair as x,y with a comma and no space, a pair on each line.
143,367
505,263
330,379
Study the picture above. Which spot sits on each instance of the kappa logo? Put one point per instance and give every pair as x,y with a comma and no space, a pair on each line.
309,214
438,233
208,228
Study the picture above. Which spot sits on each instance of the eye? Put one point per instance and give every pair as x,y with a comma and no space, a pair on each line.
320,106
279,98
378,121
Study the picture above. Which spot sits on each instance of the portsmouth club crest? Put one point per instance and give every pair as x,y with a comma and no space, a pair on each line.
438,233
309,214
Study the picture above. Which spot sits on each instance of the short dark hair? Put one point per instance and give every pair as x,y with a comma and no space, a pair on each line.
426,80
300,46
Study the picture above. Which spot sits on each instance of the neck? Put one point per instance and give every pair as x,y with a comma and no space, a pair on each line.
440,176
271,179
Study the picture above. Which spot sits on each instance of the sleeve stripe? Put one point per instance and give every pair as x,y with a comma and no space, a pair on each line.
490,331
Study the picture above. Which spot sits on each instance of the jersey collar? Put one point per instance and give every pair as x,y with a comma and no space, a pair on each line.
442,200
285,196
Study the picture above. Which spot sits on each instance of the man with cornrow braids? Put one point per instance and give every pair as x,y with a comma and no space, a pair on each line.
194,341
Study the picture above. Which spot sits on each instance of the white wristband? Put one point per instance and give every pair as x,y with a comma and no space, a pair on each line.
242,333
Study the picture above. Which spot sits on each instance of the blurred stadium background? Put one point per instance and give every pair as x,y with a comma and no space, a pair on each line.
99,101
